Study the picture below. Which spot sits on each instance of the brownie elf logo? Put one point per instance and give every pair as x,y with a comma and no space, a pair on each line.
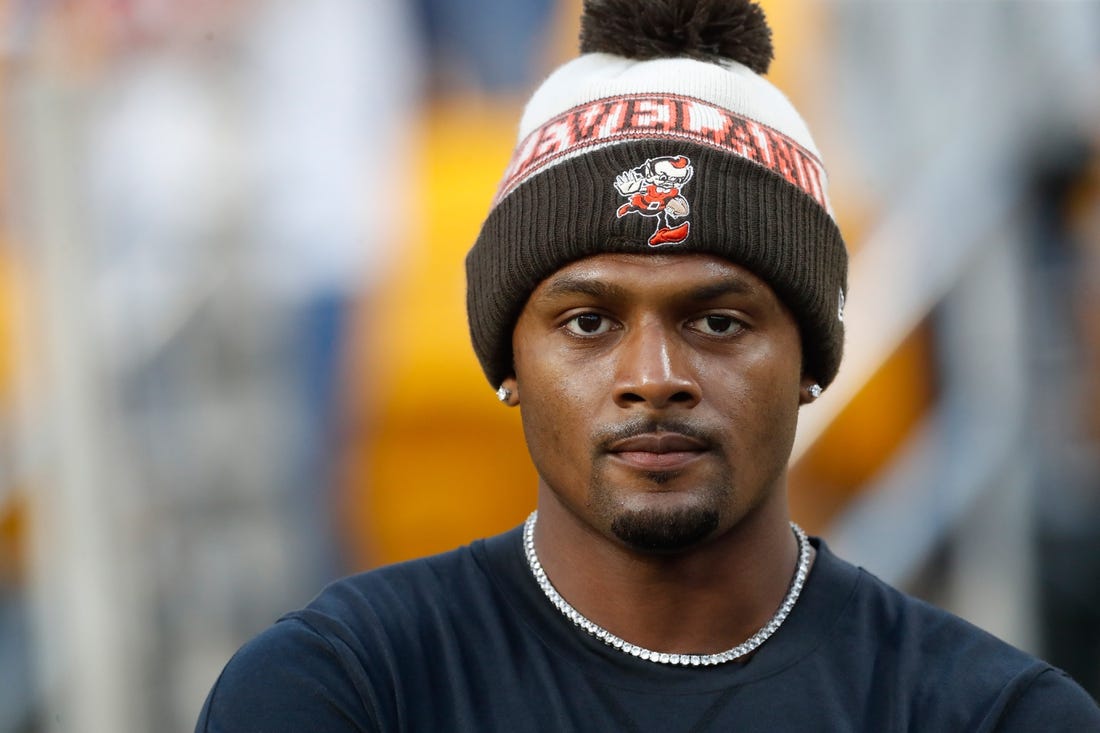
655,189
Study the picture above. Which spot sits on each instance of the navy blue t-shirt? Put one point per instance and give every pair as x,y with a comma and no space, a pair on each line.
466,641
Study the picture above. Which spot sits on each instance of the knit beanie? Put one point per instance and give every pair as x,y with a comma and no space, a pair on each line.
663,136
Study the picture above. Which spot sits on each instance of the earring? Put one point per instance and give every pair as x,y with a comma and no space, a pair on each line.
503,393
815,390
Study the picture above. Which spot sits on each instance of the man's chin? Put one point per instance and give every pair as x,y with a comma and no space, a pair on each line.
665,530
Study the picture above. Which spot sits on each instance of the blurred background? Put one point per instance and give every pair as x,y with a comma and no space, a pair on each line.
233,351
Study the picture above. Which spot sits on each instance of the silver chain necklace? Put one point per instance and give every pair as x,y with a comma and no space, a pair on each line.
684,660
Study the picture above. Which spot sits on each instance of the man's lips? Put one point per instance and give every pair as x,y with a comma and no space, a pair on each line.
657,451
657,443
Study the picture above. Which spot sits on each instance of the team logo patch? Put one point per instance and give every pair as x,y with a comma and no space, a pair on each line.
655,188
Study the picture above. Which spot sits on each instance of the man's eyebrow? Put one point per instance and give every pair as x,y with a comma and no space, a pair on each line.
581,286
725,286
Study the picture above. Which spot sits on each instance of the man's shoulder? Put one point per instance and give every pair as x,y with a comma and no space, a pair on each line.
338,659
936,633
404,595
948,664
898,623
400,582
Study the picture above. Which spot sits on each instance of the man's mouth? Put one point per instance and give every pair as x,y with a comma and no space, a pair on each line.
657,451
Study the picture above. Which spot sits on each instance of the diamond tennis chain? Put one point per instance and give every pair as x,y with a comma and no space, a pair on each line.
684,660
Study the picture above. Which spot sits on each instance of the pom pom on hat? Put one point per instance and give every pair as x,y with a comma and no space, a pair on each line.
707,30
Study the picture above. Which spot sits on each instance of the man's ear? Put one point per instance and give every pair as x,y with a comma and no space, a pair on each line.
511,391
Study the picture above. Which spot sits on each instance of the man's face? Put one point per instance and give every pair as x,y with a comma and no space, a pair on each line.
659,394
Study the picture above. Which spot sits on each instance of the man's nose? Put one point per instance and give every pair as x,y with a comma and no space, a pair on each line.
654,369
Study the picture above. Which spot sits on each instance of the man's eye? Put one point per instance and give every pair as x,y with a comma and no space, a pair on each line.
588,324
716,325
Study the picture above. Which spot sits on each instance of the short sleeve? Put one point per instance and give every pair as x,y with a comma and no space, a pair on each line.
1052,703
289,678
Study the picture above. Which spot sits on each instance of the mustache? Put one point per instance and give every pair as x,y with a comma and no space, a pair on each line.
608,436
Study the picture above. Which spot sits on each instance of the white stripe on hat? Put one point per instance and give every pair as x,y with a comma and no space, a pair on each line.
601,99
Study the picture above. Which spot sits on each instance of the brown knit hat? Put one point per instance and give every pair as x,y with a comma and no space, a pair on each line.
663,137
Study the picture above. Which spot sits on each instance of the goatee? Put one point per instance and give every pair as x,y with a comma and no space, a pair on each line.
665,530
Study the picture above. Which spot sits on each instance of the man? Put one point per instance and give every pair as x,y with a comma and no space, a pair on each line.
660,586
